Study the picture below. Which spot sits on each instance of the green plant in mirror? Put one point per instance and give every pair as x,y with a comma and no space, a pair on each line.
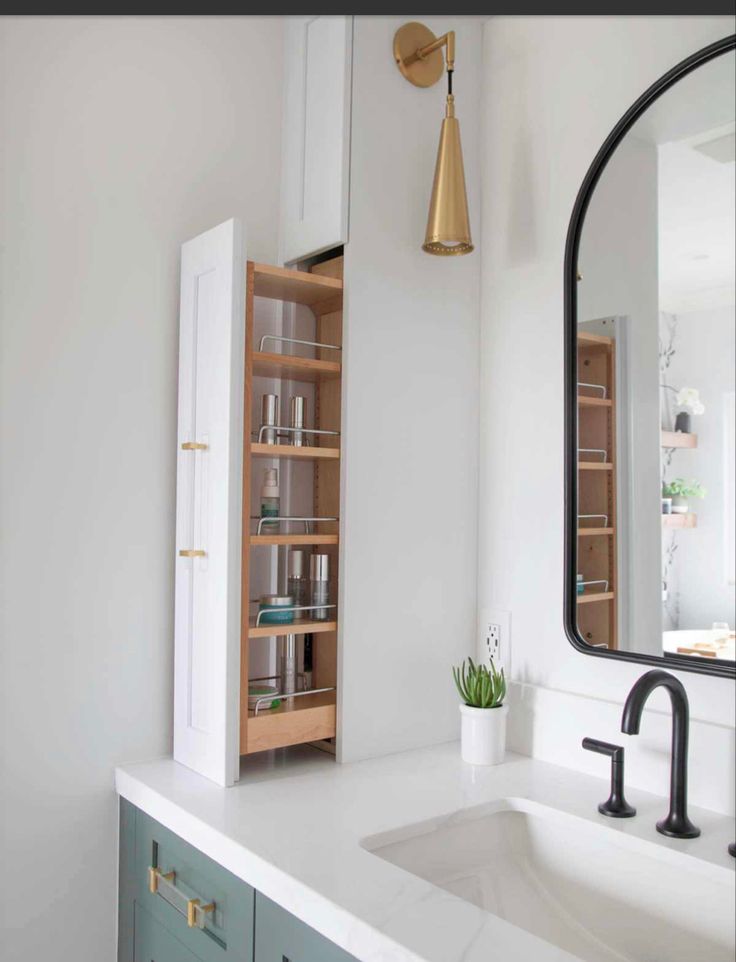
680,488
479,686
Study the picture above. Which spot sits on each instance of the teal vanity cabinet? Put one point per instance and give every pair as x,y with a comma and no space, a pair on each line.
280,937
177,905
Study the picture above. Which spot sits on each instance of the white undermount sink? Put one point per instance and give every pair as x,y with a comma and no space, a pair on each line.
597,893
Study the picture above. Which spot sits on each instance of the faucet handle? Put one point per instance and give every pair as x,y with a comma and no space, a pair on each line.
615,805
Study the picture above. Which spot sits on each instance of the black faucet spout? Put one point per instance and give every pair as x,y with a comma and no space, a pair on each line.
676,824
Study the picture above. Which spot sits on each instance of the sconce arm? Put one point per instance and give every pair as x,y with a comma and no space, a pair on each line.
447,40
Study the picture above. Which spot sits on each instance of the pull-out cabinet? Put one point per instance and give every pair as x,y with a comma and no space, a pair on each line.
292,361
225,366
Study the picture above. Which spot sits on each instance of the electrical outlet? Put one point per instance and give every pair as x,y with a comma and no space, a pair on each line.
493,642
494,638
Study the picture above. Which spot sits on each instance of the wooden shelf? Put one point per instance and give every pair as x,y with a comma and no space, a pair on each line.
678,439
297,539
594,402
289,451
688,520
296,368
308,718
595,466
596,596
594,341
593,532
322,294
293,628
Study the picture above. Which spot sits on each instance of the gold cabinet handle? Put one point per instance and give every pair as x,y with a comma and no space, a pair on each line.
192,906
164,885
154,874
193,446
192,553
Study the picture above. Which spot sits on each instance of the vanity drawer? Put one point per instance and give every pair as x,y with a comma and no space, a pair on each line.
280,937
226,932
154,943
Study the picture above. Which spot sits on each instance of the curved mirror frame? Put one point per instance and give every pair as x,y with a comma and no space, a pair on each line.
680,662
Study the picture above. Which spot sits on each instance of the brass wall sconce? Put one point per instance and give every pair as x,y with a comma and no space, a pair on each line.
418,55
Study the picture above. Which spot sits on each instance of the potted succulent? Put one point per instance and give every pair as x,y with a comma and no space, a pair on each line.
680,490
482,712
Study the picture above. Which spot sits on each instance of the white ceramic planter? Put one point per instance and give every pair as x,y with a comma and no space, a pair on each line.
679,504
483,734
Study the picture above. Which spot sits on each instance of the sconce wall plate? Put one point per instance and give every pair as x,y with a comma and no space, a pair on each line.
424,71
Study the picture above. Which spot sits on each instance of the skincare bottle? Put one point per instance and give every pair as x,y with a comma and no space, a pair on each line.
298,584
307,656
270,501
270,418
297,411
288,665
319,585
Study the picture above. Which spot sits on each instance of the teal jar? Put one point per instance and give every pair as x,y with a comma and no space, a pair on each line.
580,585
272,609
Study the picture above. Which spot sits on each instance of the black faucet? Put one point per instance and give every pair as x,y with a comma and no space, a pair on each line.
676,824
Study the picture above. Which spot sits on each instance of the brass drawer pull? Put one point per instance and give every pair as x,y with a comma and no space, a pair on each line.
192,553
164,884
193,446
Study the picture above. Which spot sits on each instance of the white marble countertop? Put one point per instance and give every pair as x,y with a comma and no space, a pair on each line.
293,825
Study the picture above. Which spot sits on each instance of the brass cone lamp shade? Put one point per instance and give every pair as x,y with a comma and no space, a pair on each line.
448,224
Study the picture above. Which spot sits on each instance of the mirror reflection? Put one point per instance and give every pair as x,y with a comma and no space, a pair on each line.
656,362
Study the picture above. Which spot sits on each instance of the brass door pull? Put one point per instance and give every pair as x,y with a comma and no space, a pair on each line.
164,884
154,874
193,446
192,553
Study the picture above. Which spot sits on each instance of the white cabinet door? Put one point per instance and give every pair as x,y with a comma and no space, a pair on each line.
208,503
316,136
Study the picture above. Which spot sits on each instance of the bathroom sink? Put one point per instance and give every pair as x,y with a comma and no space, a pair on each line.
598,893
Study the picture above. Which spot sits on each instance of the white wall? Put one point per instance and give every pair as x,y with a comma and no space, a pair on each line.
704,358
553,89
120,139
410,426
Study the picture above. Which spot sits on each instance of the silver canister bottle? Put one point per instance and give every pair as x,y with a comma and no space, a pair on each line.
297,415
319,585
270,417
288,665
298,583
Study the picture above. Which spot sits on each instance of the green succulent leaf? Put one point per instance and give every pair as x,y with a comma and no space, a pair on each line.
480,686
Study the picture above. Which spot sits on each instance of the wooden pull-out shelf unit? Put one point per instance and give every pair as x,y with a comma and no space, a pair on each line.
311,717
597,557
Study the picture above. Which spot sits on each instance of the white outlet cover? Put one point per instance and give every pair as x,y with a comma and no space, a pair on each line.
502,618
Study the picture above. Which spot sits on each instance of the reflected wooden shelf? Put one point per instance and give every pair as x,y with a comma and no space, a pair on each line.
594,402
302,627
678,439
595,466
596,596
259,450
688,520
308,718
322,294
297,368
594,342
298,539
593,532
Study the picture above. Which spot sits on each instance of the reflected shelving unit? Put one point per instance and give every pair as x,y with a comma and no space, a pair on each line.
308,716
597,557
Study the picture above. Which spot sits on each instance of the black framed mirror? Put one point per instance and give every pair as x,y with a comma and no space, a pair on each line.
650,429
